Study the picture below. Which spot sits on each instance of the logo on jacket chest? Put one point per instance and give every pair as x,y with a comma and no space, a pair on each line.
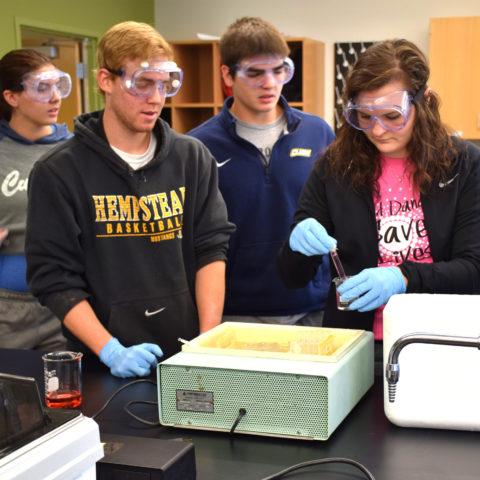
301,152
158,216
12,184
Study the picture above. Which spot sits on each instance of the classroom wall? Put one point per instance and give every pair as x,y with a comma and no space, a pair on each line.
326,20
91,16
85,18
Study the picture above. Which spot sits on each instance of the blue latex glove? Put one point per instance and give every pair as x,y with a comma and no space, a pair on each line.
310,238
135,361
375,285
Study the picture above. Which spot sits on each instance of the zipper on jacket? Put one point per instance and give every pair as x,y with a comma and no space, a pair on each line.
264,159
261,156
266,168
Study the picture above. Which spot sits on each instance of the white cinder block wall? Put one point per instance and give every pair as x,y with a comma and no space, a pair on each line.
327,20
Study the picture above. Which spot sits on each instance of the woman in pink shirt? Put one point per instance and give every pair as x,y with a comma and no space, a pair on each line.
396,194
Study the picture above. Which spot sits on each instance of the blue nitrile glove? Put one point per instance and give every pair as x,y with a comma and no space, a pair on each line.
375,285
135,361
310,238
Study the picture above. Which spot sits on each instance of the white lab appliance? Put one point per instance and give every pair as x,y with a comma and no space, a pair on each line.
41,443
431,361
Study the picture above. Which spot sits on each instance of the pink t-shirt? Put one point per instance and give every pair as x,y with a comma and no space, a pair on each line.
402,234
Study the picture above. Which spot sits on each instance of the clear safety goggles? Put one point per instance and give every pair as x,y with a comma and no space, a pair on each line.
391,111
255,73
41,86
166,77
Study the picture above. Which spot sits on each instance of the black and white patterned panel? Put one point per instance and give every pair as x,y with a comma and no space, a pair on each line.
346,55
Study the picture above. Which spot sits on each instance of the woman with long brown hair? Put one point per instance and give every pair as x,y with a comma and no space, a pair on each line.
31,94
396,194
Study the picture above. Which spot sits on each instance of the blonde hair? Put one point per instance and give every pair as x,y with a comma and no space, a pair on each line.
131,40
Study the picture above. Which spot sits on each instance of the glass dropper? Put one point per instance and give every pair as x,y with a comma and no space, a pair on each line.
337,263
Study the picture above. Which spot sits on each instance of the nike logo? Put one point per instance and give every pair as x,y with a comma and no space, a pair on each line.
221,164
149,314
443,185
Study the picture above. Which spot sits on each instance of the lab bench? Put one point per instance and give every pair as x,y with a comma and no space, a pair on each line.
366,436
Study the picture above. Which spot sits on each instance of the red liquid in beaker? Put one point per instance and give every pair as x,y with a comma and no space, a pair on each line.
57,399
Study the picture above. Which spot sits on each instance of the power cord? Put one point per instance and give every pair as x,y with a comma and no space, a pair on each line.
136,417
280,474
241,414
125,408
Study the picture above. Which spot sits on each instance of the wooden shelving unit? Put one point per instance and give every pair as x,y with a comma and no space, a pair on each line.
201,95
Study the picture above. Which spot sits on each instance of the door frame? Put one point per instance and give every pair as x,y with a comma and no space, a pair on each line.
95,100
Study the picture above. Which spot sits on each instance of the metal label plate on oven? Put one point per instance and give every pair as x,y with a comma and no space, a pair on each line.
195,401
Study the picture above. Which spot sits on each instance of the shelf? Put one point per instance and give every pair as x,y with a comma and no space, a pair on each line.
201,72
183,119
201,95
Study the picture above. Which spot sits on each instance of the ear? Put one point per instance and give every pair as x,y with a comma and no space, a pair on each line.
227,76
427,93
105,80
11,97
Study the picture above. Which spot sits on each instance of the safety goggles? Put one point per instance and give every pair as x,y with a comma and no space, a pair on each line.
166,77
255,73
391,111
41,86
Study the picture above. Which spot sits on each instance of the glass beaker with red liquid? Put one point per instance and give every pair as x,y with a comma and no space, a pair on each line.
63,379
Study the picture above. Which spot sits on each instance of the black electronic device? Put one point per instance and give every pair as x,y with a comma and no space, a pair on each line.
128,457
23,418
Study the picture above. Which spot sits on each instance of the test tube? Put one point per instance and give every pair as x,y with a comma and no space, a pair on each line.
337,263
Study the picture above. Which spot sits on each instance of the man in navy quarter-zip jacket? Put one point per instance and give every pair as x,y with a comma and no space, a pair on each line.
265,151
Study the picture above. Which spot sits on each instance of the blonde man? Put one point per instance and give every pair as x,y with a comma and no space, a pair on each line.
132,255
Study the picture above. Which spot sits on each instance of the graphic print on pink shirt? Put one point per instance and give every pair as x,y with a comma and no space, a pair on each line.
402,234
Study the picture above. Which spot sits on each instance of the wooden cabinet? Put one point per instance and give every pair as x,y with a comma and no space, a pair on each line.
454,58
201,95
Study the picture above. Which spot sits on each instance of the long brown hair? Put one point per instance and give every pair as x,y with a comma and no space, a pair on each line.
13,66
354,159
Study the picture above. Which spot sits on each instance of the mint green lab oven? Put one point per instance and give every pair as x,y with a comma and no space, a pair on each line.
272,380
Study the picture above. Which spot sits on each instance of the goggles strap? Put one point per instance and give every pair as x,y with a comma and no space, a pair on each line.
419,95
118,73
